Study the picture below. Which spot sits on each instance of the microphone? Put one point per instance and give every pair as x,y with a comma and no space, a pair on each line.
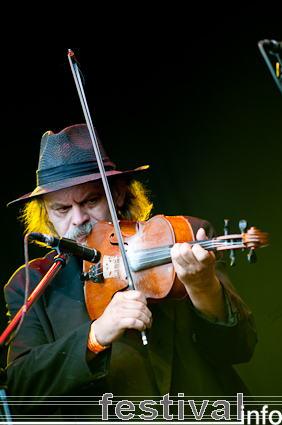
68,246
272,46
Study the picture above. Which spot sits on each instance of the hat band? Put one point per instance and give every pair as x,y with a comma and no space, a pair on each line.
69,171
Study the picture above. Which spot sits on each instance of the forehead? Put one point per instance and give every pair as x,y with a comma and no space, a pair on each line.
74,194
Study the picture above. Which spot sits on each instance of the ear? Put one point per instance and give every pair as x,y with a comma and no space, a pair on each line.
46,220
119,188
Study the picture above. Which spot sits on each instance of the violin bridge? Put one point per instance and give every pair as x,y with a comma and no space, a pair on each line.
94,273
110,266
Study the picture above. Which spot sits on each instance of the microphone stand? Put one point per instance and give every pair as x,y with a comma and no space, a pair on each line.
6,416
59,262
262,45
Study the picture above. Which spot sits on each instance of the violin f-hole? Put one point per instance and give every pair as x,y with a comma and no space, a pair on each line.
115,243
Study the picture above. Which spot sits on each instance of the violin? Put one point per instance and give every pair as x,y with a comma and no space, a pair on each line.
147,245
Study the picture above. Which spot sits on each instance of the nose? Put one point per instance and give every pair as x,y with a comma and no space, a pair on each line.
79,216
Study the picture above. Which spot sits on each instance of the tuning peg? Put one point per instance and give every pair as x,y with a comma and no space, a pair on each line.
226,227
243,226
252,258
232,258
232,253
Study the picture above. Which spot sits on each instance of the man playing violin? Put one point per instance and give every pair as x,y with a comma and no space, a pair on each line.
60,351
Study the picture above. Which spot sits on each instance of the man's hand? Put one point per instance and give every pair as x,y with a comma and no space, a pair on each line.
194,265
195,269
127,310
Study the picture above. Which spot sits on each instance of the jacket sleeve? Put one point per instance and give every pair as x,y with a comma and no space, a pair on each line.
224,343
40,366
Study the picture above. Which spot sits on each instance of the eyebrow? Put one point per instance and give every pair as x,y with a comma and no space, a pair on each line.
57,204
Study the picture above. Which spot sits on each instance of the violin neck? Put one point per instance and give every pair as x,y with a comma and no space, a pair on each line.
152,257
221,243
207,244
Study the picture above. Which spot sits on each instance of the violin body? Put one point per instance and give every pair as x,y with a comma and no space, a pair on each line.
147,245
156,279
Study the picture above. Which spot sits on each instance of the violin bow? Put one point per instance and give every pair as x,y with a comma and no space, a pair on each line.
75,71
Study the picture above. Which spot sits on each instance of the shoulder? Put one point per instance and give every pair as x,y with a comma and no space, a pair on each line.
37,269
198,223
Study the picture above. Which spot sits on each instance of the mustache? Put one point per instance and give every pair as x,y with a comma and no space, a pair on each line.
80,230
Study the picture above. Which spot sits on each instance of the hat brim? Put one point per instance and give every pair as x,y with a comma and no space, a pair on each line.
66,183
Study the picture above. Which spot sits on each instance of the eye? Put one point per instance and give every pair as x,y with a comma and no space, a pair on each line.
63,209
92,201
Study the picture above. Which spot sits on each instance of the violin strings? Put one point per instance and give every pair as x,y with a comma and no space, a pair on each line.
150,256
162,253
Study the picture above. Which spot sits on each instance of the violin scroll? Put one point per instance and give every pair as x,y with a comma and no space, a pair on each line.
254,239
251,239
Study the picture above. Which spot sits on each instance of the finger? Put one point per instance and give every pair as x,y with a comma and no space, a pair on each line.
188,261
134,295
135,319
134,308
182,254
185,256
131,304
201,255
201,234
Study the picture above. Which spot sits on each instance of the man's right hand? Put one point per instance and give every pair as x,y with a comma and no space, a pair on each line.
127,310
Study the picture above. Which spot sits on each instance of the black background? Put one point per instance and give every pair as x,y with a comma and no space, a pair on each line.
193,99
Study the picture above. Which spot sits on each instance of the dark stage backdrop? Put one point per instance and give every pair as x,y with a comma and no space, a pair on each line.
201,108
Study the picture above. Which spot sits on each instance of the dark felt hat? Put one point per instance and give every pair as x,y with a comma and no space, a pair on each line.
67,159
